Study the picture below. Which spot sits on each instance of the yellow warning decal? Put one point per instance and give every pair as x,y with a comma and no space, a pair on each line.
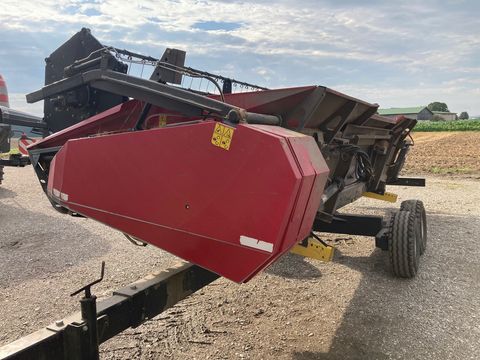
222,136
162,120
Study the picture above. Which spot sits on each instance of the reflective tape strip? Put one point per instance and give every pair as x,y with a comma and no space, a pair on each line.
23,148
58,194
256,244
22,145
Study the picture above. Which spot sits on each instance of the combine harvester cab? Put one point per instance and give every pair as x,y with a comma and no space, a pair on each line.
229,181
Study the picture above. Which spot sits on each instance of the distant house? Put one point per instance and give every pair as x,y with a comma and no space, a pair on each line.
417,113
445,115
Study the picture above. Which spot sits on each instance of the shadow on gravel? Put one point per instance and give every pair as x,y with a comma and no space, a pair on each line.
6,194
429,317
34,245
293,266
377,262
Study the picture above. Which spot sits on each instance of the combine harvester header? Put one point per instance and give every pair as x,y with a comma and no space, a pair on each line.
229,181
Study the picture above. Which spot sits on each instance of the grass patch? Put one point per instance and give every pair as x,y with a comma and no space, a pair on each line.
452,125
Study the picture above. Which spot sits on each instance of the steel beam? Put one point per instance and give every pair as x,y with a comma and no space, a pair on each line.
351,224
162,95
408,182
19,118
15,161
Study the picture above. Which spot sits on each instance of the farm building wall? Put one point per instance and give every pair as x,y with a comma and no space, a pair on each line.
446,116
424,114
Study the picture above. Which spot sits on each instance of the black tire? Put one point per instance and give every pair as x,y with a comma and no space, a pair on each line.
1,174
403,244
416,207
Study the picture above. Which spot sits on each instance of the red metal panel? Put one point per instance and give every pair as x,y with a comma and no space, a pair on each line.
315,172
275,101
307,155
231,211
118,118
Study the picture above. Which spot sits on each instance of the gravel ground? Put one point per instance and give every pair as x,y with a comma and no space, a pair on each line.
351,308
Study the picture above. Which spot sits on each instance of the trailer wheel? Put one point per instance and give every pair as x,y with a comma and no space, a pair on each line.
417,208
404,244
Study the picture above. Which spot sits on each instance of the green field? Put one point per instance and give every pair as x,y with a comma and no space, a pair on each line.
453,125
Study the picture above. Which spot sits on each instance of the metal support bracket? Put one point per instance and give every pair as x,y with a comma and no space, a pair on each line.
314,249
389,197
364,225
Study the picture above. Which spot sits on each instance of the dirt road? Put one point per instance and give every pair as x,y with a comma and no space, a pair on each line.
351,308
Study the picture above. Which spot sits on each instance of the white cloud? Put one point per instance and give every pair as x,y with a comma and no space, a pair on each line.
18,102
457,97
270,30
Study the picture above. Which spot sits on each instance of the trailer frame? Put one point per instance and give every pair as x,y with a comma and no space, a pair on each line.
74,337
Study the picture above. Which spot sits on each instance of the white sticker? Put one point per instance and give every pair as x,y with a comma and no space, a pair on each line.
256,244
58,194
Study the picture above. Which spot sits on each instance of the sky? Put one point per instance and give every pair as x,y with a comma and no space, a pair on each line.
394,53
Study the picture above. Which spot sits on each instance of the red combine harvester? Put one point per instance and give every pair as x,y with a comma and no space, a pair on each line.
228,181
